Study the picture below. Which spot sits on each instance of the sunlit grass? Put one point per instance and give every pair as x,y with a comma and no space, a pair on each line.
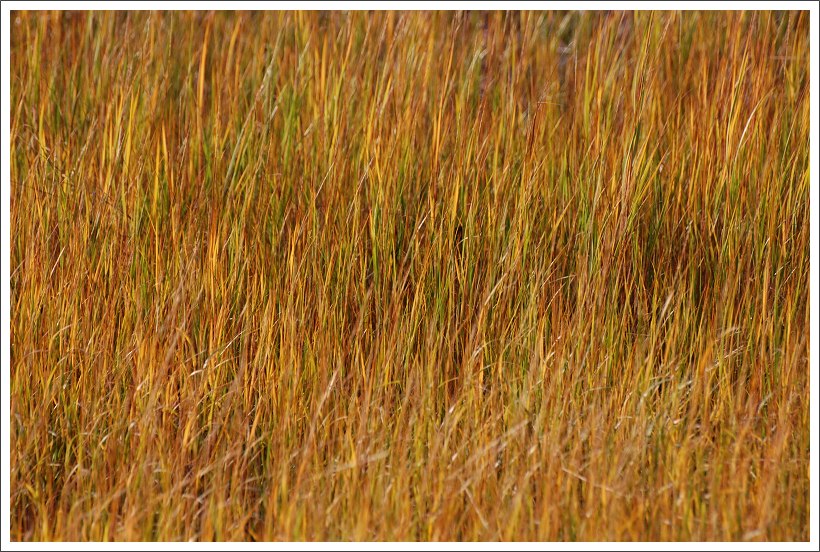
538,276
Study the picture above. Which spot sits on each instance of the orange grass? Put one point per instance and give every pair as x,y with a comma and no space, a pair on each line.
445,276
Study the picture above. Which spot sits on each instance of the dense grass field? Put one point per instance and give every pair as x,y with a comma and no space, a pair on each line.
410,276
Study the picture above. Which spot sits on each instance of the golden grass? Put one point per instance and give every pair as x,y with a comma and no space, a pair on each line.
455,276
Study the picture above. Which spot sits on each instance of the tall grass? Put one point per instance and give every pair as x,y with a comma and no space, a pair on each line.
454,276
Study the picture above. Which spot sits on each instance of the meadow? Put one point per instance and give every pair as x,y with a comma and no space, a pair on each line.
409,276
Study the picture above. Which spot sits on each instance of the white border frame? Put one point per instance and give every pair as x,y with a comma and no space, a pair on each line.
5,258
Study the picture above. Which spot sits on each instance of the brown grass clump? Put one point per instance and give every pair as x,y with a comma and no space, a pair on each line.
434,276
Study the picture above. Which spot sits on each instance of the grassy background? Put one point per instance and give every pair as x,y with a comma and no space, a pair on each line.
410,276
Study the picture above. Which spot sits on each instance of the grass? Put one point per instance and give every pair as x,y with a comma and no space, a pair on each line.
413,276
